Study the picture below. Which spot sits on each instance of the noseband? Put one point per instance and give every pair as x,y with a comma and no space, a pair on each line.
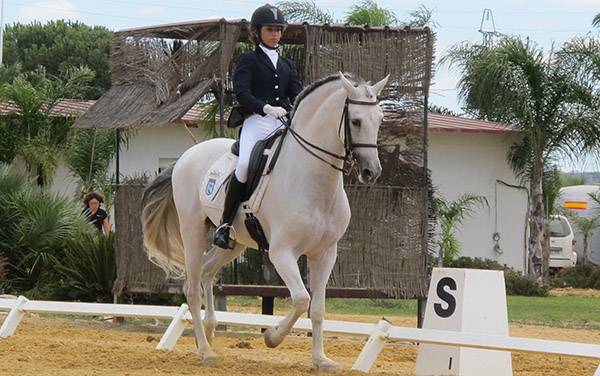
349,158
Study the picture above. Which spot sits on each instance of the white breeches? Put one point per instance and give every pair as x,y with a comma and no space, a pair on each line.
255,128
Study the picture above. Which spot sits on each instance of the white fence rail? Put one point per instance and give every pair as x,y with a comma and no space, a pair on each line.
377,333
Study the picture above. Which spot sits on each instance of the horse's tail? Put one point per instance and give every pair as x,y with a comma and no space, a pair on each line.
160,224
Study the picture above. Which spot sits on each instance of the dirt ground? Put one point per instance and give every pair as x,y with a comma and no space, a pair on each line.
67,346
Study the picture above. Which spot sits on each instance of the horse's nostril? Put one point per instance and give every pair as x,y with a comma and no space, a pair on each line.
367,174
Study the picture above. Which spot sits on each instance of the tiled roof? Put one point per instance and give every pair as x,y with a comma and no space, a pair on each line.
437,123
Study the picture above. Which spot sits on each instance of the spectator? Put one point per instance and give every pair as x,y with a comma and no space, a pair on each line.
94,213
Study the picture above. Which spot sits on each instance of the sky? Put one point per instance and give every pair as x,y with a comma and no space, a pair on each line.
548,23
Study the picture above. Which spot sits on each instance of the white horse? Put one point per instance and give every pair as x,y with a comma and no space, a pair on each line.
305,209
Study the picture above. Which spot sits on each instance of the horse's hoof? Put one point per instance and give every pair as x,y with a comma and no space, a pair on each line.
326,365
209,358
270,336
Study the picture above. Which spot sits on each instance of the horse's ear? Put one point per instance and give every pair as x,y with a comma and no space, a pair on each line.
380,85
350,89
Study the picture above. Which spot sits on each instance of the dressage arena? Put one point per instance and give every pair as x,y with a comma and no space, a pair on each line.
47,345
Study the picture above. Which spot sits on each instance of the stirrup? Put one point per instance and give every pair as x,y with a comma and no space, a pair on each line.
230,242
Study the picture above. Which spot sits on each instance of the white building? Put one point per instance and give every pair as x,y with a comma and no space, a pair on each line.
465,156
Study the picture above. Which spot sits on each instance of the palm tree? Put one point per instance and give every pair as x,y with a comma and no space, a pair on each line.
556,111
40,138
305,11
367,12
450,215
586,227
596,21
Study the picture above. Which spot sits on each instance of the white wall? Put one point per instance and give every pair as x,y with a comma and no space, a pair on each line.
152,145
472,163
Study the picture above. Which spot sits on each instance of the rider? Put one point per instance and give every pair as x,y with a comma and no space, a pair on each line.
266,84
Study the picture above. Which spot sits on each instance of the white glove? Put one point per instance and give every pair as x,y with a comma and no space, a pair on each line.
274,111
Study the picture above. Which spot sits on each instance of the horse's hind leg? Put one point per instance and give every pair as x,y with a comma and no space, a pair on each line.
286,264
194,232
214,260
320,266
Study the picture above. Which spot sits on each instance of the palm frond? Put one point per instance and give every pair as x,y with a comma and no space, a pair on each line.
596,20
305,11
369,13
421,17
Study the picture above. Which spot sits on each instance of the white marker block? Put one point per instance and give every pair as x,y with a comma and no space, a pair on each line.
470,301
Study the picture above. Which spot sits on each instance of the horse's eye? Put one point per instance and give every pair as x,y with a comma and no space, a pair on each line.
356,122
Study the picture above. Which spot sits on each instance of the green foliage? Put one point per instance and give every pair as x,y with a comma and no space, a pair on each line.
516,283
305,11
35,226
581,276
58,46
452,214
88,268
88,156
570,179
37,137
369,13
596,21
551,184
434,109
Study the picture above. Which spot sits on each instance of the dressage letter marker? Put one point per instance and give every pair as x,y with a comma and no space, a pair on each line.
465,300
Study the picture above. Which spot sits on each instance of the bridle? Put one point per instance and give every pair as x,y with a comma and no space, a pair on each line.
349,158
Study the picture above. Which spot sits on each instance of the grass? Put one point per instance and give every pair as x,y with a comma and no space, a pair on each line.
556,311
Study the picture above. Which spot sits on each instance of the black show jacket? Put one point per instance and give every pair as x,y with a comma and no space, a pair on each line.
256,82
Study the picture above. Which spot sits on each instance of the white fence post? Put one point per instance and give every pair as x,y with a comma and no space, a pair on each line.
13,319
174,331
374,345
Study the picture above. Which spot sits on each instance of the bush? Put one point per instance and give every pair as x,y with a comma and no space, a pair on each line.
35,225
88,269
516,283
581,276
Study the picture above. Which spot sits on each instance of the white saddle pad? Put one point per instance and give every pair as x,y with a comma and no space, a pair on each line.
212,192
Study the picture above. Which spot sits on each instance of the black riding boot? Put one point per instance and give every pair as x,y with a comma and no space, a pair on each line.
232,201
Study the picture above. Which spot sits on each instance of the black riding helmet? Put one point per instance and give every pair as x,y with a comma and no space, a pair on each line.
268,15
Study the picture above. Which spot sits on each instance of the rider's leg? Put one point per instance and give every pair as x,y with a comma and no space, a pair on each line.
232,201
255,128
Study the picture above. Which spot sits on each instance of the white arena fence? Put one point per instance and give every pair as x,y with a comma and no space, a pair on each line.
377,333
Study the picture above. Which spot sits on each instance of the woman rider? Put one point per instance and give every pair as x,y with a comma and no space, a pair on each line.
266,85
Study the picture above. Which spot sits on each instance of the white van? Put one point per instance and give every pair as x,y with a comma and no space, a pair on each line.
562,243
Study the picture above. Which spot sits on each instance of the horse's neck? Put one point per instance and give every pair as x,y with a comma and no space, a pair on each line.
317,120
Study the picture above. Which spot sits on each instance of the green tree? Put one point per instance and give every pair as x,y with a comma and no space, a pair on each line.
88,156
305,11
39,138
366,12
556,111
58,46
452,214
586,226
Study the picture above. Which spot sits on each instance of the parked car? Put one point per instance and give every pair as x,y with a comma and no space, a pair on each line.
562,243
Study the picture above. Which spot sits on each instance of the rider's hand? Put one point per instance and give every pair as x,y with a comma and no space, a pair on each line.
274,111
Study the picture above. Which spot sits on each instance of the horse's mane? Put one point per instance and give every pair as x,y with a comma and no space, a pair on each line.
317,84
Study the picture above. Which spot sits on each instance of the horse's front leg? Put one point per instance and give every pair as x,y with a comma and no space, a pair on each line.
320,265
215,259
286,264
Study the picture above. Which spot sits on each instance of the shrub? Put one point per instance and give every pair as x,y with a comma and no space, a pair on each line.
516,283
581,276
88,268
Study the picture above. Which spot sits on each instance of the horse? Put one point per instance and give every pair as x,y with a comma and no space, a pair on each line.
305,210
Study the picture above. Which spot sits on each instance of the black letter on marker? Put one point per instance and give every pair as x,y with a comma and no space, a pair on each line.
446,297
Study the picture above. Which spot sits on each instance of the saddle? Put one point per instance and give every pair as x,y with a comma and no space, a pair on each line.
215,184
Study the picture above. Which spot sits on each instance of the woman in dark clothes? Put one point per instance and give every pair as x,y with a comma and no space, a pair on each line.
94,213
